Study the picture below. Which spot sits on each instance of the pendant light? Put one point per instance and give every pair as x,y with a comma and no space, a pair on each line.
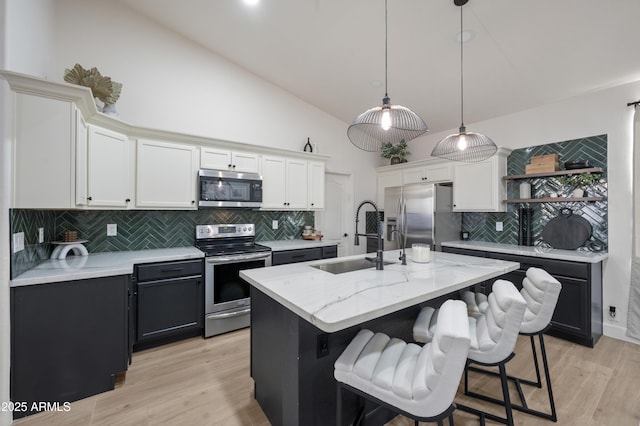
464,146
387,123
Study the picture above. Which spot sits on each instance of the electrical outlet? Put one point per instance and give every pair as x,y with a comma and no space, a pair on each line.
613,314
112,230
274,224
499,226
18,242
40,235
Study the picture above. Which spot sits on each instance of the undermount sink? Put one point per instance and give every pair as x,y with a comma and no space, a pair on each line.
349,265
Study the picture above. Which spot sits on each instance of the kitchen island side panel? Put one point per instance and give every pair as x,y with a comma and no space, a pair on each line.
293,375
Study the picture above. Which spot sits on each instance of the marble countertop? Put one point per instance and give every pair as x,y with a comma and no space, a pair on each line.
281,245
100,265
543,252
333,302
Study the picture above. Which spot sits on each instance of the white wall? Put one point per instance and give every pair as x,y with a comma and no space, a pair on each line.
602,112
29,37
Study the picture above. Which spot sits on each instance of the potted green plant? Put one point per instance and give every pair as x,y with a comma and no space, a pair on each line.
396,153
579,183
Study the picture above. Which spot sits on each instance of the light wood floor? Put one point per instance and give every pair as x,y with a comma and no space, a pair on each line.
206,382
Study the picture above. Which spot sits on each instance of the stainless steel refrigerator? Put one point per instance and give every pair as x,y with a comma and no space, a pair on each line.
424,214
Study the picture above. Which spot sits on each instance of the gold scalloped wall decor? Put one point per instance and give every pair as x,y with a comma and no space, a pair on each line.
101,86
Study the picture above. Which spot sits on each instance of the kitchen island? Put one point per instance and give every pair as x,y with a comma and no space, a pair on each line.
303,317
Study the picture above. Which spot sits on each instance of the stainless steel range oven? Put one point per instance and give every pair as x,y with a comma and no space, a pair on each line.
228,249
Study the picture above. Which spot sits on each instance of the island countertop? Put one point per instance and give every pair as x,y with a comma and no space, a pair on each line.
334,302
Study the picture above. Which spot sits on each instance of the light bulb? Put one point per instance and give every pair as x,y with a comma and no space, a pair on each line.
385,122
462,142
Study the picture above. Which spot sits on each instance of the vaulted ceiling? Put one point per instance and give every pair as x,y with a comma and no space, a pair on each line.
331,53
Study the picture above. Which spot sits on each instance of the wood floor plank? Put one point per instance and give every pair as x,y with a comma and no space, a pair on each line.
206,382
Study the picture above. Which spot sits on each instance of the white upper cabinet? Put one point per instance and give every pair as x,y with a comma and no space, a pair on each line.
428,174
285,183
316,185
67,155
108,158
387,180
44,153
82,172
297,184
479,187
166,175
222,159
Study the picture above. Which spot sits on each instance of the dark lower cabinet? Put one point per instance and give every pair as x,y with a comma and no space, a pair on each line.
303,255
170,302
68,340
578,314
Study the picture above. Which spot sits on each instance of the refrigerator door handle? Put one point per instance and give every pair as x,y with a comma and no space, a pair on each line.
402,222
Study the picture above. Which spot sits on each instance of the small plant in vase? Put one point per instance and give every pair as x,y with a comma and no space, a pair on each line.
579,183
396,153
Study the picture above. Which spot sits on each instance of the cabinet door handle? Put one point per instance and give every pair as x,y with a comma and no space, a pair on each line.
89,198
128,200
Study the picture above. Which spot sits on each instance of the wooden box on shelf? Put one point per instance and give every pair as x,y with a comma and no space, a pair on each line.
543,164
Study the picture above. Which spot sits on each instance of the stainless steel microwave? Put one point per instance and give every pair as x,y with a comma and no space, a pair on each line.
229,189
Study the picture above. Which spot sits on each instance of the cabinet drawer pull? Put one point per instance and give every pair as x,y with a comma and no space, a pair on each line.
172,270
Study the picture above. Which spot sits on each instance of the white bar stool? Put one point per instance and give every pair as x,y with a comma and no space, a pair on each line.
541,291
493,337
417,382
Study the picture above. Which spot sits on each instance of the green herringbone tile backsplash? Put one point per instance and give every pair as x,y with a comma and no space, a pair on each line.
481,226
138,229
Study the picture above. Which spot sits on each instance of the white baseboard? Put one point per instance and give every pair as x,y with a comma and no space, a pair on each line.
618,332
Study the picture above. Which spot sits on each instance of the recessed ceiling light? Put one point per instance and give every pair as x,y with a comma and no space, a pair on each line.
251,2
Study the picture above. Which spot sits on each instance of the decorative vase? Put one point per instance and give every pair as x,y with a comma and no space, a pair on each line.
395,160
110,109
578,192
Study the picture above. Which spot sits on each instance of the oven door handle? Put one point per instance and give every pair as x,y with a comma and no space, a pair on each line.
237,258
229,314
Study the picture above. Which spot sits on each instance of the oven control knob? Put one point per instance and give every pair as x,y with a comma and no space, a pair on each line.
249,229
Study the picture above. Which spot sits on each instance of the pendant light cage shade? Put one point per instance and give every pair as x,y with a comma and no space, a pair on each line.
366,131
464,146
387,123
468,147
